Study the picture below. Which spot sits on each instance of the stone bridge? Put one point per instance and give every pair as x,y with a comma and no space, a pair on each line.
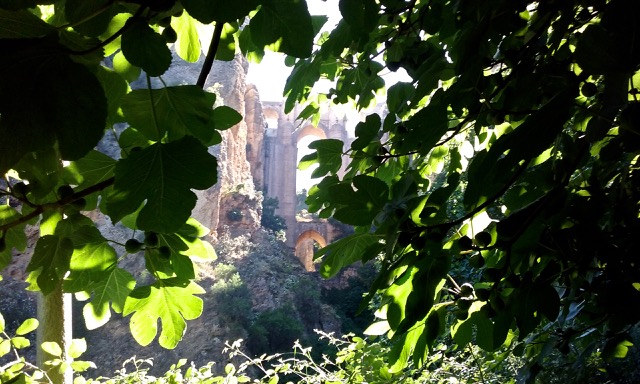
280,157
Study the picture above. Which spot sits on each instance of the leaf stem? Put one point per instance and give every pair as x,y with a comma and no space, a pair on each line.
211,54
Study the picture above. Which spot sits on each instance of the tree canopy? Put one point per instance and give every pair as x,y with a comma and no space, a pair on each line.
513,147
531,111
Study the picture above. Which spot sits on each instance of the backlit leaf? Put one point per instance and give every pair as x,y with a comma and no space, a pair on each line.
328,156
27,326
51,258
345,252
285,26
181,110
188,43
163,175
360,207
52,348
145,48
114,288
172,301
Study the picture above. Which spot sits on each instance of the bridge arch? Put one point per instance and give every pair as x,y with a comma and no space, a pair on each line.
304,248
280,164
310,130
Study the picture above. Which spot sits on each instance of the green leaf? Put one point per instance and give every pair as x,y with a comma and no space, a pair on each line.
398,96
366,131
328,156
92,256
192,229
188,43
20,342
378,328
2,323
180,111
5,347
616,348
224,117
22,24
426,127
145,48
52,348
360,207
199,250
77,348
81,366
115,87
114,288
92,169
67,107
163,175
404,348
172,301
51,258
347,251
207,11
228,42
285,26
14,237
90,18
27,326
361,15
124,68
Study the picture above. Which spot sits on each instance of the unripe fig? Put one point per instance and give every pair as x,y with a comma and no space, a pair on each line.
464,303
132,246
65,191
465,243
589,90
483,239
170,34
466,289
20,190
151,239
164,252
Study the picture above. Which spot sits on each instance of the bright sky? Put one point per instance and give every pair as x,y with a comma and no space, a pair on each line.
271,74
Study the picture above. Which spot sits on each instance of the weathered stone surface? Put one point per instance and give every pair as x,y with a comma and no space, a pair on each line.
255,121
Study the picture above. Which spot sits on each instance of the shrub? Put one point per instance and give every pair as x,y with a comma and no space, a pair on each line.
274,331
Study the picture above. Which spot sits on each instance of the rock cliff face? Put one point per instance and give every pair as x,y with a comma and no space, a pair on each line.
215,206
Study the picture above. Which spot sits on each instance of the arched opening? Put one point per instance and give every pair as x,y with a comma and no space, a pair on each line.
305,247
271,117
304,137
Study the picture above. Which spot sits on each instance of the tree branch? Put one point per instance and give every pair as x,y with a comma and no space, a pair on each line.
57,204
211,54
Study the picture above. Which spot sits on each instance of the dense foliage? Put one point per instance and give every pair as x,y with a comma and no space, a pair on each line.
269,219
531,110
